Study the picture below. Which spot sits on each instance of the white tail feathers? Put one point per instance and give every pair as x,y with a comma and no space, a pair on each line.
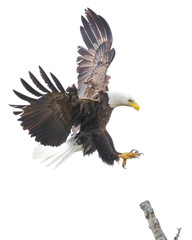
56,155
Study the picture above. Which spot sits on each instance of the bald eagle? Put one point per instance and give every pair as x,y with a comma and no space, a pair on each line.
84,110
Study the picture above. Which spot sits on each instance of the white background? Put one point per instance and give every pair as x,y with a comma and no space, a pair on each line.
84,198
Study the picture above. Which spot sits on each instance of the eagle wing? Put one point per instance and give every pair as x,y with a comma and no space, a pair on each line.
50,116
95,60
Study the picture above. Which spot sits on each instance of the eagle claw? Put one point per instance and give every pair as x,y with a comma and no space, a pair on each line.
129,155
136,151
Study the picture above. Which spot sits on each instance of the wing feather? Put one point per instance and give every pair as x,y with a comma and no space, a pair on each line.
107,29
24,97
94,61
86,39
47,80
57,82
37,83
84,52
101,33
89,31
30,89
50,117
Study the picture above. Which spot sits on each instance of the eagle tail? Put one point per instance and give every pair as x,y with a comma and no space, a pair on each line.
56,155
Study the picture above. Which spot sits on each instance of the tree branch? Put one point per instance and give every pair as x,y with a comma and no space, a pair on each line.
154,224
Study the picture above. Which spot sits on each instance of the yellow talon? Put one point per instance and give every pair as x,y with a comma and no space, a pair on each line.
128,155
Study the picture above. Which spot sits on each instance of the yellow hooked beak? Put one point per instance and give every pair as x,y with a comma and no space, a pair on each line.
134,105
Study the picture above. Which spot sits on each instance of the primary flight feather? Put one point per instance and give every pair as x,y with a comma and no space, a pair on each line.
84,110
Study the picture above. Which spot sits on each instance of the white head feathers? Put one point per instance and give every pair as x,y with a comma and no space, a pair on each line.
119,99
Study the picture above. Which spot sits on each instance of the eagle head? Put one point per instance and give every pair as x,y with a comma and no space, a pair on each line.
121,99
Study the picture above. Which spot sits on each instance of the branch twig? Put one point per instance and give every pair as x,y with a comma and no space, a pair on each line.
178,234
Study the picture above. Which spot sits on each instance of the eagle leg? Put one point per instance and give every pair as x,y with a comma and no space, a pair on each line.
129,155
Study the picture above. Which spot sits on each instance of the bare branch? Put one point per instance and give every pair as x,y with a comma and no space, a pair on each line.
178,234
154,224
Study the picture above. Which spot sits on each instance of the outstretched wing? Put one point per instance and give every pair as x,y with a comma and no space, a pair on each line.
50,116
95,60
